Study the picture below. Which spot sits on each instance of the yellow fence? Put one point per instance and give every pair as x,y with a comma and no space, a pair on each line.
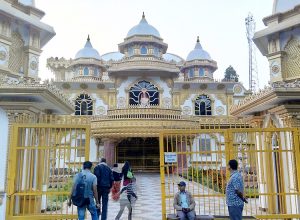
269,162
43,160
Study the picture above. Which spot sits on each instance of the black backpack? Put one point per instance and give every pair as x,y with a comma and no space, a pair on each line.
78,194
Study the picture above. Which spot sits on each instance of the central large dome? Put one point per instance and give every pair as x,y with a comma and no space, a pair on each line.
143,28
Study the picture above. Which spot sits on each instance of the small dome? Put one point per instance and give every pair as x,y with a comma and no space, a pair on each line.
88,51
198,53
143,28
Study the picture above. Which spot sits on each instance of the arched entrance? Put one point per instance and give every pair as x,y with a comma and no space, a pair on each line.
141,153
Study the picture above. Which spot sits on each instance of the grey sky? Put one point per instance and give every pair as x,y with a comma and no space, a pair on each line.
219,24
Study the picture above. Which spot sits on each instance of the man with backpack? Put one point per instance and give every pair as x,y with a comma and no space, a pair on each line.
84,191
105,181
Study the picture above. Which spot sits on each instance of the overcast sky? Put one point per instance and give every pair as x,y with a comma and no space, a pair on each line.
220,25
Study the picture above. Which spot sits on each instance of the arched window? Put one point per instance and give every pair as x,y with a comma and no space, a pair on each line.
203,105
130,51
143,50
83,105
191,73
86,71
144,94
201,71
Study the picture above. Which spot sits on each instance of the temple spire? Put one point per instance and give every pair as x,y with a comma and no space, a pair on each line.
198,41
88,39
143,15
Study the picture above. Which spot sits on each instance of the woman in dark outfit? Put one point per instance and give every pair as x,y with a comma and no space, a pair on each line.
124,174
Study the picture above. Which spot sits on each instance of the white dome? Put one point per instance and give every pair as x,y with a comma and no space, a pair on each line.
143,28
284,5
198,53
172,57
112,56
88,51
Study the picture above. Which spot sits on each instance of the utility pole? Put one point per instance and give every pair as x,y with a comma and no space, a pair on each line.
253,72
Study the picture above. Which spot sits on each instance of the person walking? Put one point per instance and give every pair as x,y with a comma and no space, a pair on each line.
90,193
104,183
126,173
117,183
184,203
235,192
127,201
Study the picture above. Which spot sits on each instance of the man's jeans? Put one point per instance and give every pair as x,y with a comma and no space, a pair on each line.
191,215
91,207
235,212
103,193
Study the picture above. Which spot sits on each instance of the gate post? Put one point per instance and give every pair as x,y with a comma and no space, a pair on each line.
228,150
162,176
296,135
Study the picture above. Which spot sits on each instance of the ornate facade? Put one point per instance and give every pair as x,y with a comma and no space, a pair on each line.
134,93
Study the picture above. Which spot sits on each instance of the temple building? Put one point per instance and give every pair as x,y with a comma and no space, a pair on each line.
115,104
132,94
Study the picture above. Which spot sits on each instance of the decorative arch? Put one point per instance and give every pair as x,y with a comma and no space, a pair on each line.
203,105
144,94
83,105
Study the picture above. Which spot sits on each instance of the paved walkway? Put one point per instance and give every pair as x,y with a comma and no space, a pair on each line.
148,205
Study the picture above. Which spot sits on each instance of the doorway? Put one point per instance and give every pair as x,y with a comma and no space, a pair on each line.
141,153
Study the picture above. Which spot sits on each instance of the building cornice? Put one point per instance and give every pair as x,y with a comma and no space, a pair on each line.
268,98
48,92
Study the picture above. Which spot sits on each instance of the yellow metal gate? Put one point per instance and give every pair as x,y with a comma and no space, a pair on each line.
269,161
43,160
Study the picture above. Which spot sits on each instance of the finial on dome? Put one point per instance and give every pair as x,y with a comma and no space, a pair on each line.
88,39
198,41
143,15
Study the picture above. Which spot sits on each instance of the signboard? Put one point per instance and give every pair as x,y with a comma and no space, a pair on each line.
170,157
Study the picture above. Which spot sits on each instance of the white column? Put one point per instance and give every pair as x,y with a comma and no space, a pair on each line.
3,160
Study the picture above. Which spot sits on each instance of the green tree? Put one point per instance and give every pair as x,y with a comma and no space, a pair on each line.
230,74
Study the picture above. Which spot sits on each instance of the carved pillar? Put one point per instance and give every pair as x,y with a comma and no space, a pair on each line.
5,42
32,53
109,151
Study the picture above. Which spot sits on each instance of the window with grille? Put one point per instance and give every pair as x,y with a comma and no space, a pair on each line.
84,105
205,145
203,105
144,94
